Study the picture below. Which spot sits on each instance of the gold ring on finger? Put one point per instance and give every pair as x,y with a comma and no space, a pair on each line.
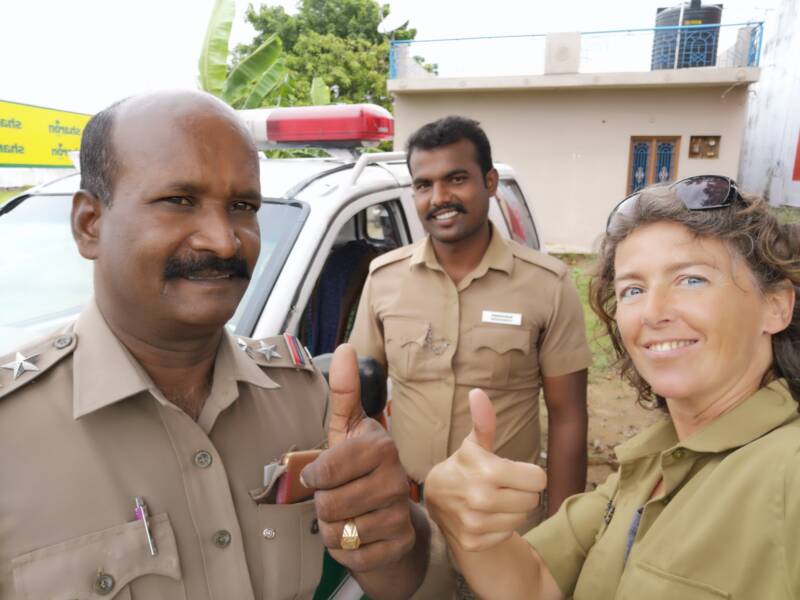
350,539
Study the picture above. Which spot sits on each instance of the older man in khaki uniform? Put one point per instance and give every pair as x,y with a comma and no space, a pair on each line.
133,443
465,308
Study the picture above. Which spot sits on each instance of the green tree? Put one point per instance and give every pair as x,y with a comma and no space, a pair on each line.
336,41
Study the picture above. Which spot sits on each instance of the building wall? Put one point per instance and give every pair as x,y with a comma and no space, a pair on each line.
771,153
570,147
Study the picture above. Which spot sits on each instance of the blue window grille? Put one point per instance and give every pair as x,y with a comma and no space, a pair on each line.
652,160
664,156
640,166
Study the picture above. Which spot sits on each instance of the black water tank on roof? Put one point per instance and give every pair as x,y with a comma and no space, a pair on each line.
697,46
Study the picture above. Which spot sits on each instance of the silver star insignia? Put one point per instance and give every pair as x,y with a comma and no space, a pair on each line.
268,350
21,364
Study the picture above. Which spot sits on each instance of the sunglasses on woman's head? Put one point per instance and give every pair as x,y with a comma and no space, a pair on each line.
701,192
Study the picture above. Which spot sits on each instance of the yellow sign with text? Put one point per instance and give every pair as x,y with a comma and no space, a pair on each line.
32,136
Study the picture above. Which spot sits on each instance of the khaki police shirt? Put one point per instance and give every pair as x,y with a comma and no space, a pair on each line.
727,524
80,438
438,344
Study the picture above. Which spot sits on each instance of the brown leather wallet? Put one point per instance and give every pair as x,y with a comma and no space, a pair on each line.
289,488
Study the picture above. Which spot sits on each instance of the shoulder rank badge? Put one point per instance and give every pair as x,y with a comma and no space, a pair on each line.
296,351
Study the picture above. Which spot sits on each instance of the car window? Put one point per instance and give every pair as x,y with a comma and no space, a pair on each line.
280,222
44,278
42,274
330,311
516,214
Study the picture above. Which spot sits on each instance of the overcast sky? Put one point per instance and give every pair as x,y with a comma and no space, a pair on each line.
81,55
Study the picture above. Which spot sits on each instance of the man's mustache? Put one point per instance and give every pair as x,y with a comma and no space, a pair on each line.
196,266
457,206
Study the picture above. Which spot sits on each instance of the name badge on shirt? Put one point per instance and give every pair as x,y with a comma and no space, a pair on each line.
501,318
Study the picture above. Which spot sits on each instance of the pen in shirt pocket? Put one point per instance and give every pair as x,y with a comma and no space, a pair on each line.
143,516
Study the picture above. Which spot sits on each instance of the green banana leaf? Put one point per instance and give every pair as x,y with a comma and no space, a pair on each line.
320,93
269,81
250,71
214,55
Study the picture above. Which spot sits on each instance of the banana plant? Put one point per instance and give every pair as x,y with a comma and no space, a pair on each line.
320,93
250,82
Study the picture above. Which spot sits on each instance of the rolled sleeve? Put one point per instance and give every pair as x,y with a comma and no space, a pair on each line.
564,540
563,348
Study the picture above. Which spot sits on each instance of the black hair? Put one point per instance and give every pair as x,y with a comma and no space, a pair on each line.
450,130
97,156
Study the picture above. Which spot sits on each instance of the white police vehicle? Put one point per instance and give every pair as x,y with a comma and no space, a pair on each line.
322,221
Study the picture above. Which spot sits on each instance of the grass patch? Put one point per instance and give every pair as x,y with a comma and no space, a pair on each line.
580,269
7,193
788,214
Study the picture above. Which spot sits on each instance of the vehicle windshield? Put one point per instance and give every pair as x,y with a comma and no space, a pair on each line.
44,280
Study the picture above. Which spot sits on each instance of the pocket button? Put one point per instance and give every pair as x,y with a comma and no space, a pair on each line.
103,583
202,459
222,538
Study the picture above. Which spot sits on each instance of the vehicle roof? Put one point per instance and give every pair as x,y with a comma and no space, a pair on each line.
281,176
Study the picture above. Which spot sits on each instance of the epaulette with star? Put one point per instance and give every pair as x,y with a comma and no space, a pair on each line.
23,366
279,351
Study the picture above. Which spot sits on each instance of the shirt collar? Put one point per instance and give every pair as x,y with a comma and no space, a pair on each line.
233,365
498,256
104,372
767,409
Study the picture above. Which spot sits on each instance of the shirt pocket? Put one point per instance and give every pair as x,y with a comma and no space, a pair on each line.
411,352
292,550
103,565
501,356
653,583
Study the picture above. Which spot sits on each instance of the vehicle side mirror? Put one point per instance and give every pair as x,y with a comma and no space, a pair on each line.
372,378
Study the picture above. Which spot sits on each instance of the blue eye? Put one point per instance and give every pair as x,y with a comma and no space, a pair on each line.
694,281
630,292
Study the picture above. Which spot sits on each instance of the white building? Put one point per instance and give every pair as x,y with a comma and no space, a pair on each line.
770,162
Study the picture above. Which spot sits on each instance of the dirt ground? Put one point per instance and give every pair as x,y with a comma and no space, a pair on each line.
614,416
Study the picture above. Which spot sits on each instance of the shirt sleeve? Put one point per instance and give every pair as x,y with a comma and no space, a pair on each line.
563,348
564,540
367,334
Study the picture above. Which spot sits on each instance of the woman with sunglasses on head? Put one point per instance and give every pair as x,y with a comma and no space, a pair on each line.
698,287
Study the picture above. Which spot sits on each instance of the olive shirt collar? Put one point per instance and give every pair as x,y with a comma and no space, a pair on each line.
767,409
498,256
104,372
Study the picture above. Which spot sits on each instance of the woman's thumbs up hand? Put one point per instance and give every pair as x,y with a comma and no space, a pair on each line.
477,498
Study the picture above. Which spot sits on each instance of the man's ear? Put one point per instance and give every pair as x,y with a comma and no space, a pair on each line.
87,210
491,181
780,308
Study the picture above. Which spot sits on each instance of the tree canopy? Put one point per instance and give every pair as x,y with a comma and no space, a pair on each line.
336,41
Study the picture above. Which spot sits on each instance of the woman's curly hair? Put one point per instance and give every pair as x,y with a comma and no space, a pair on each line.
770,249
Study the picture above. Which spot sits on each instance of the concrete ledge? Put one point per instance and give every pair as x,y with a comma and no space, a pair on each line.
699,77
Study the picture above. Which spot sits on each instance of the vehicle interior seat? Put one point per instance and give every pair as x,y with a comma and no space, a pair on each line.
330,313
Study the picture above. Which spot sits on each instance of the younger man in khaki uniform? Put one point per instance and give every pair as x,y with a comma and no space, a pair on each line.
466,308
133,443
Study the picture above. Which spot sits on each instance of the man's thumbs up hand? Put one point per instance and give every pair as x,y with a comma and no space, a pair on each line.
479,499
359,479
345,398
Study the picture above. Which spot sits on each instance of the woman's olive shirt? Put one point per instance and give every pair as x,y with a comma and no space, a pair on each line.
727,524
